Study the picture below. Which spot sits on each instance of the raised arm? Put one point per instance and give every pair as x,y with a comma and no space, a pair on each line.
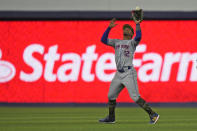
138,33
138,29
104,38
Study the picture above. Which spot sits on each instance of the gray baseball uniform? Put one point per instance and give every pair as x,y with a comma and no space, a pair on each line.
124,52
126,75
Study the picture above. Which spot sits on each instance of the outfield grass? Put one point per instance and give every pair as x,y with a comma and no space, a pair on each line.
86,119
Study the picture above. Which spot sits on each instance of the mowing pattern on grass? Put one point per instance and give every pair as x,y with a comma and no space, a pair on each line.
86,119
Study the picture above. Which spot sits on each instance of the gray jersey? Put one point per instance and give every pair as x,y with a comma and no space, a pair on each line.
124,51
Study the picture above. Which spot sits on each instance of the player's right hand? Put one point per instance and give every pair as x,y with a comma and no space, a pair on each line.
112,23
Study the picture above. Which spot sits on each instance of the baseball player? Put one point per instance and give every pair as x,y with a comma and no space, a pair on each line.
126,75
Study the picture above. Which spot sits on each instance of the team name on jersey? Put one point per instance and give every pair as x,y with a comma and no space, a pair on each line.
122,46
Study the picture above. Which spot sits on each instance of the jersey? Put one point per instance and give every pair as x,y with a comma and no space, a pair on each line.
124,51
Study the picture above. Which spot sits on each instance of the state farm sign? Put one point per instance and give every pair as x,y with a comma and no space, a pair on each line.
89,56
69,58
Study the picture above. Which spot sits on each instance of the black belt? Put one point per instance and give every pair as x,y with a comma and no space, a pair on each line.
122,70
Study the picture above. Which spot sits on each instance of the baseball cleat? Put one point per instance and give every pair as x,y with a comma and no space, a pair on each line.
154,118
110,120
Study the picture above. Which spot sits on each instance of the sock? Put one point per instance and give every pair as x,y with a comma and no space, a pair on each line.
112,105
142,103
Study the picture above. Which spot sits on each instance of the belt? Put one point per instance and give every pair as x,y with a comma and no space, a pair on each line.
122,70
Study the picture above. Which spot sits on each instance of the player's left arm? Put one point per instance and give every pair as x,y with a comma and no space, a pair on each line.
138,33
138,30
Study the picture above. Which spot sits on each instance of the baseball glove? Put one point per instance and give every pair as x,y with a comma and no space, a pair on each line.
137,14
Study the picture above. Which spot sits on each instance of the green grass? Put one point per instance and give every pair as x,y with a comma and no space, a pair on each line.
86,119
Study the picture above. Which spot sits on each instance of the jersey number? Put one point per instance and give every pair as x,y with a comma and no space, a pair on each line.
126,53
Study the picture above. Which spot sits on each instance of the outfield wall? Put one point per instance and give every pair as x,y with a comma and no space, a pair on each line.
61,60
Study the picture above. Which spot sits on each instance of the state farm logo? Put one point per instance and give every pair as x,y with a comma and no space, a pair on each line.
7,70
159,65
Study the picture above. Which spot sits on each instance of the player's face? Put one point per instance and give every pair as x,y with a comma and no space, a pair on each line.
127,32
